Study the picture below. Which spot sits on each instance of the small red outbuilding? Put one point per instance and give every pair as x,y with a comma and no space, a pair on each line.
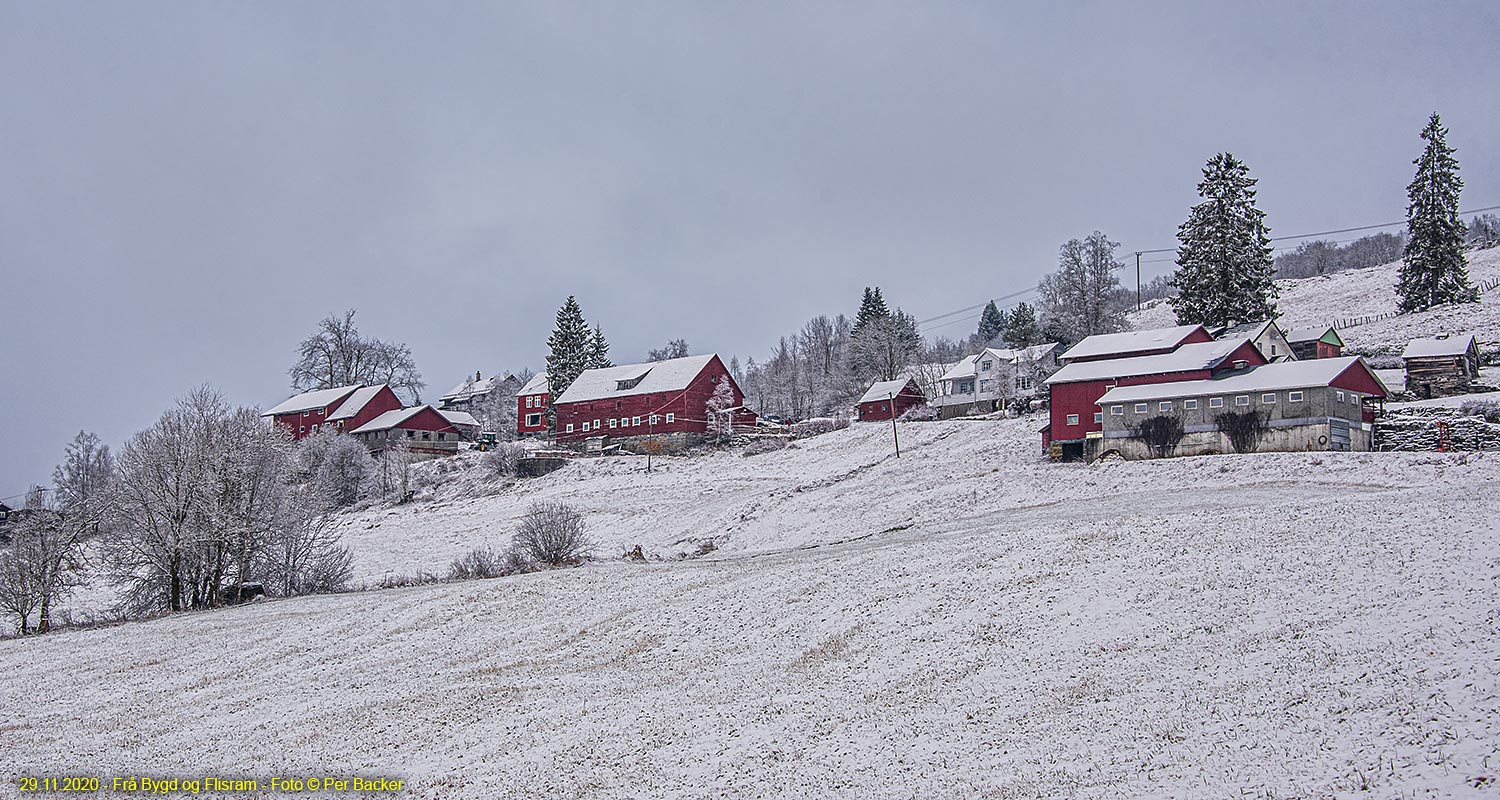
887,399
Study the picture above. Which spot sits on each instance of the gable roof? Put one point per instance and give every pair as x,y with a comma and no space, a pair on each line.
356,402
671,375
307,401
1262,378
1245,330
1104,344
537,385
459,417
394,418
1314,333
885,390
1187,358
1440,345
472,388
968,366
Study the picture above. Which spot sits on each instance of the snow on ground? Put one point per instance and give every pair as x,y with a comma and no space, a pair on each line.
1369,292
1492,398
968,621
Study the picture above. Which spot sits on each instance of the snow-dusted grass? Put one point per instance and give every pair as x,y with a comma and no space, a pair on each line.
1369,292
968,621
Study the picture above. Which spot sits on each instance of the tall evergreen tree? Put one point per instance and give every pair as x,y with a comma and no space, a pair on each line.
1023,330
871,308
570,348
599,350
1225,273
1433,269
992,323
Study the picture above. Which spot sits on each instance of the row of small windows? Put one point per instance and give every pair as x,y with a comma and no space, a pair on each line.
535,401
622,422
1241,401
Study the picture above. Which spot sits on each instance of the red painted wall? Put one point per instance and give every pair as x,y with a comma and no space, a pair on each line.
301,426
383,401
540,409
1326,350
1082,397
880,409
687,406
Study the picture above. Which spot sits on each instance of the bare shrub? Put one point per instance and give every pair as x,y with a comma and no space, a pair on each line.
481,562
505,458
767,445
920,413
553,535
818,426
1244,429
1161,434
1488,410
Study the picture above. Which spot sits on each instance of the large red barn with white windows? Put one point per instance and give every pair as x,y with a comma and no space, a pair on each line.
661,401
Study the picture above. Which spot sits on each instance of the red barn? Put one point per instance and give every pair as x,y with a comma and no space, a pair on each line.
886,399
1076,388
367,403
1129,344
662,401
531,406
424,429
307,413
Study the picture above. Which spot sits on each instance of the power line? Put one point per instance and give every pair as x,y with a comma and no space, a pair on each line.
925,324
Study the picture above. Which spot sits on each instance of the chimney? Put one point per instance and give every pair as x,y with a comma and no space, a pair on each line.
476,376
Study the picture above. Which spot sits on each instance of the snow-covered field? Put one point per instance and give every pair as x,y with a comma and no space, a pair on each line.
1369,292
967,621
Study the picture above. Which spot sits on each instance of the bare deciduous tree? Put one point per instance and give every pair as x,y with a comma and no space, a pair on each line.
337,355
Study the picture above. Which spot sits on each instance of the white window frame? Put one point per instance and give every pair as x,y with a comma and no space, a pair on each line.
1117,411
654,419
1072,419
1215,402
1243,397
533,420
1165,405
1268,398
613,422
585,426
1294,396
1190,405
634,421
570,428
597,426
1098,417
1142,408
671,417
1339,396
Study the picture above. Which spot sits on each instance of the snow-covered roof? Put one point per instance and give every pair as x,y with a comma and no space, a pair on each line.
307,401
1262,378
962,369
537,385
968,366
1311,333
1104,344
671,375
1245,330
473,388
1437,346
459,417
391,419
361,398
884,390
1189,357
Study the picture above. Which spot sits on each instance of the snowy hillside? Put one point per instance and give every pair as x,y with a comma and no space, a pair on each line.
1365,293
968,621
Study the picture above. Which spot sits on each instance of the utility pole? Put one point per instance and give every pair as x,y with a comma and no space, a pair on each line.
1137,280
895,435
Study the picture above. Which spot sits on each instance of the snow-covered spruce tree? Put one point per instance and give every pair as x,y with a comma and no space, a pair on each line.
570,348
886,347
992,323
1022,329
1433,269
1225,272
599,350
871,308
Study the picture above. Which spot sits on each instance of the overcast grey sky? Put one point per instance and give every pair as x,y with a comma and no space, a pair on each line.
186,188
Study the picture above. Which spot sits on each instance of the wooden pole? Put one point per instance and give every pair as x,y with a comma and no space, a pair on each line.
895,435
